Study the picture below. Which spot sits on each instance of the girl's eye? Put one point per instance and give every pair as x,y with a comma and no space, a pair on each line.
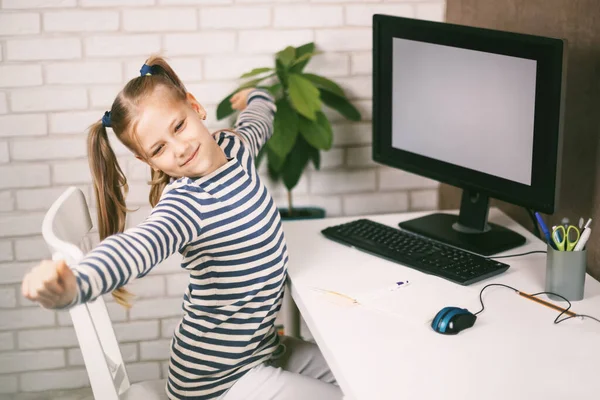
158,149
179,125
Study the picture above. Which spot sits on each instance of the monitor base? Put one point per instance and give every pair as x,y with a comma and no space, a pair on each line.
441,227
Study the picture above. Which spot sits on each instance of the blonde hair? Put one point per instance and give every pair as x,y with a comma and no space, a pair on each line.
110,183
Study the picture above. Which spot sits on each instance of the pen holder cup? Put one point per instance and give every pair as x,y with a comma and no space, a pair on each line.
565,274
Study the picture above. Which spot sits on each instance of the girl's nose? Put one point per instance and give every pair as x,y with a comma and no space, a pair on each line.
181,149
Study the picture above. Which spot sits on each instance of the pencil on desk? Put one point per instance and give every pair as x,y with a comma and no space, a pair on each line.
554,307
336,294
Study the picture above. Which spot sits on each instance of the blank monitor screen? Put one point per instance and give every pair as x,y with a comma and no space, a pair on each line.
455,105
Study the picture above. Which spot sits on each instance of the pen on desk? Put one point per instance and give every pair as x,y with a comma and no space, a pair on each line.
397,285
545,230
552,306
585,235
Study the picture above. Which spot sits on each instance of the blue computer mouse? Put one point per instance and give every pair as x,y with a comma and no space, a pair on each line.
451,320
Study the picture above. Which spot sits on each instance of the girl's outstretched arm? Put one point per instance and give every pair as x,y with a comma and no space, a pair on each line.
119,258
255,122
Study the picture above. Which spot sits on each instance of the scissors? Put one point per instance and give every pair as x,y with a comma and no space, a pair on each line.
565,241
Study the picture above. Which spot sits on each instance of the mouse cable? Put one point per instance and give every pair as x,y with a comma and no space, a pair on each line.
557,320
520,254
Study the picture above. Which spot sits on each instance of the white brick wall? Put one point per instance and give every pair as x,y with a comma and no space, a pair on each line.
3,101
4,157
81,21
308,16
48,99
23,125
199,43
43,49
25,4
20,75
7,341
239,17
6,251
84,72
19,24
121,46
61,64
47,380
160,20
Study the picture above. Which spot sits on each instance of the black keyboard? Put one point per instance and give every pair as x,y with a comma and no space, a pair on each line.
415,251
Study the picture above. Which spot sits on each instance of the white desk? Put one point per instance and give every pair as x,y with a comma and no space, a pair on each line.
514,351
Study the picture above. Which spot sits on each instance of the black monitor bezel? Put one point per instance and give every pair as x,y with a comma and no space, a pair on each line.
549,54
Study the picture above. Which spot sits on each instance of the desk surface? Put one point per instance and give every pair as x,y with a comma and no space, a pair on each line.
387,350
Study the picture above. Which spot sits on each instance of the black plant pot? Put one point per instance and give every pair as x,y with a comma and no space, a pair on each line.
302,213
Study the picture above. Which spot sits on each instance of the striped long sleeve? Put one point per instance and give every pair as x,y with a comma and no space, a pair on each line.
119,258
255,123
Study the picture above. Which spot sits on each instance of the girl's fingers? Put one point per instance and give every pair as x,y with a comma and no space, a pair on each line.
41,293
54,287
44,283
47,304
50,281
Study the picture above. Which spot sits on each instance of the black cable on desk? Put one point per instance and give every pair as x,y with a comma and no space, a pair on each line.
557,320
520,254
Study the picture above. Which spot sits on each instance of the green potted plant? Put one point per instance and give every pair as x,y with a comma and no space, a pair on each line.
301,129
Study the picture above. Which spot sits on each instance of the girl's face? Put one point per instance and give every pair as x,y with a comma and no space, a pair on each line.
173,137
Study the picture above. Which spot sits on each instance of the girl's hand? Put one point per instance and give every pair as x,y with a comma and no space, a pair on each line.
239,101
51,283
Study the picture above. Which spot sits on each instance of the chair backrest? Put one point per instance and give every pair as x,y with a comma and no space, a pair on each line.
65,227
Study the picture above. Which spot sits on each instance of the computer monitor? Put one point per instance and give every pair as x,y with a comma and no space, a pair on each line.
479,109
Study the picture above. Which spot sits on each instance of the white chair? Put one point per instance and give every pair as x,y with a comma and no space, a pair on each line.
64,229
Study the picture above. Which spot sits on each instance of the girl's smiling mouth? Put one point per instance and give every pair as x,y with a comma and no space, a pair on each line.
191,157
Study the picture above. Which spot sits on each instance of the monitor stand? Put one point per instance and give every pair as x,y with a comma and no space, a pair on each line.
469,230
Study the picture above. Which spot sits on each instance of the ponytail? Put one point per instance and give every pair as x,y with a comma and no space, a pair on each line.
158,182
110,188
158,66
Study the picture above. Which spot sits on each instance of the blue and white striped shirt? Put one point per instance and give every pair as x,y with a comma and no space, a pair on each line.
227,228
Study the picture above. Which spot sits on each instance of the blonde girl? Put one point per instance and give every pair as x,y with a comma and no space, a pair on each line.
210,205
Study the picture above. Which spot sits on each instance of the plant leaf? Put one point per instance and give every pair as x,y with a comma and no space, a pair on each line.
287,55
317,133
275,162
315,156
340,104
282,73
260,156
304,57
300,51
304,96
295,163
256,71
224,108
285,129
274,175
274,89
254,82
325,84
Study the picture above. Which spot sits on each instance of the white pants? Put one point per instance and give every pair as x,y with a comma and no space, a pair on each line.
300,373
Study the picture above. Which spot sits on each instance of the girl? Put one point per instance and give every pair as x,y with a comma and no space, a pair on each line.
210,205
